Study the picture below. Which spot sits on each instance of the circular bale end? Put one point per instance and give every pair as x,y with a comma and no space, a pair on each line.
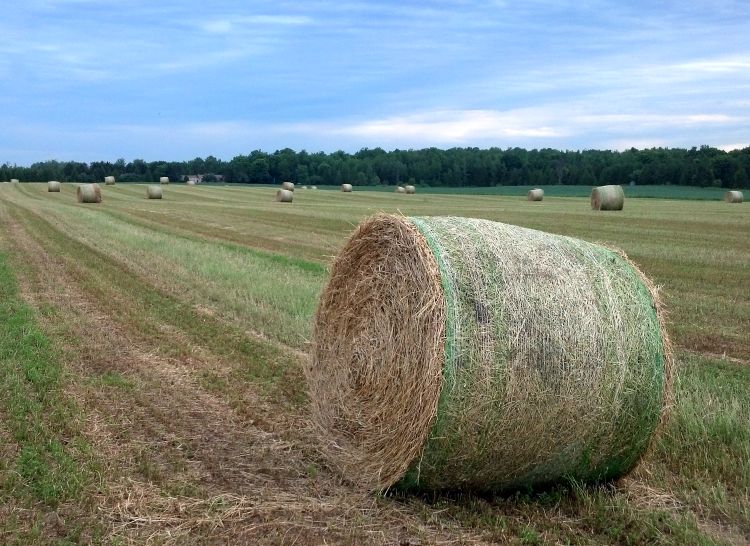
53,186
163,180
607,198
733,196
410,190
535,195
346,188
284,196
488,366
288,186
89,193
154,192
109,180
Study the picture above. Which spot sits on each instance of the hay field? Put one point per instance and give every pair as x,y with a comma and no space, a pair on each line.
151,385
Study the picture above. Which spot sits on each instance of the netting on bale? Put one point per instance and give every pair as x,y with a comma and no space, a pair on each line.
467,354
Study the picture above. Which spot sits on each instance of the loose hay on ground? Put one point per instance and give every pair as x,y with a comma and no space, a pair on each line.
502,357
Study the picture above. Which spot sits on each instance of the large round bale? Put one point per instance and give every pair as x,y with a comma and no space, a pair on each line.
409,189
163,180
733,196
607,198
400,189
537,194
284,196
89,193
53,186
14,181
313,187
503,357
109,180
346,188
289,186
154,192
190,182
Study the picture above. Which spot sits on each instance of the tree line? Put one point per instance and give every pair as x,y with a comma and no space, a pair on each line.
703,166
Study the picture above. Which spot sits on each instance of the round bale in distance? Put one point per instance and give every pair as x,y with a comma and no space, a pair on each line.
89,193
313,187
504,357
154,192
607,198
14,181
109,180
347,188
400,189
733,196
284,196
537,194
163,180
53,186
410,189
190,182
289,186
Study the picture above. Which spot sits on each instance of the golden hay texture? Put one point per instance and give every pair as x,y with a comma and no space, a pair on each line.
607,198
536,194
503,357
154,192
89,193
163,180
289,186
284,196
53,186
400,189
410,189
346,188
109,180
733,196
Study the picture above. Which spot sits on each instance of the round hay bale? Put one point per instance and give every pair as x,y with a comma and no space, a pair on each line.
313,187
89,193
400,189
53,186
190,183
163,180
109,180
304,187
733,196
346,188
536,194
284,196
289,186
607,198
14,181
410,189
503,357
154,192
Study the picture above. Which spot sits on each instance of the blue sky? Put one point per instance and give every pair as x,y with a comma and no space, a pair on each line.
99,80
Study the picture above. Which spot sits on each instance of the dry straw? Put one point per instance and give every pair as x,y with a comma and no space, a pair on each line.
53,186
400,189
284,196
410,189
346,188
163,180
289,186
154,192
733,196
89,193
607,198
536,194
109,180
503,357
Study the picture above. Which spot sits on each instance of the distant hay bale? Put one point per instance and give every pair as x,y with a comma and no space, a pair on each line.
410,189
109,180
536,194
284,196
14,181
347,188
313,187
733,196
304,187
400,189
53,186
190,182
89,193
607,198
503,357
289,186
154,192
163,180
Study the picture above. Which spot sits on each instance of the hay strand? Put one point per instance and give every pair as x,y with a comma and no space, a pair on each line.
733,196
53,186
503,357
346,188
607,198
163,180
288,186
537,194
154,192
89,193
109,180
284,196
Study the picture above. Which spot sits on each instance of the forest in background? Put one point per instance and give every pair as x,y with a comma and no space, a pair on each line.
703,166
